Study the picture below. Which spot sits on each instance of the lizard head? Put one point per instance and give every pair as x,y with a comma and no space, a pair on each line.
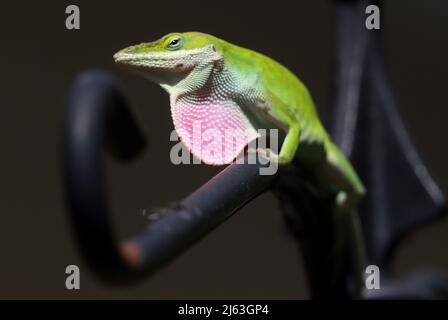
171,58
182,63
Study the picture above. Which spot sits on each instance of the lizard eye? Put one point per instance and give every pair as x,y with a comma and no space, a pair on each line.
174,43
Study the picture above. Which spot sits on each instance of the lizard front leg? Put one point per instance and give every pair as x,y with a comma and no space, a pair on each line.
288,149
290,145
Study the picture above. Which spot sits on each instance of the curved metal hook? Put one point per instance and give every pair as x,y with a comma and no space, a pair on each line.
401,194
98,117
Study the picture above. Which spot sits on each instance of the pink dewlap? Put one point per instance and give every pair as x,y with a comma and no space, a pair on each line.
215,133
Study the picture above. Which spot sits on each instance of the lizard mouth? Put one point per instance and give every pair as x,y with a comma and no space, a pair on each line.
150,63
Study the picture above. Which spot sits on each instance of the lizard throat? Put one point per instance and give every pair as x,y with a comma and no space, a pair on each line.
213,130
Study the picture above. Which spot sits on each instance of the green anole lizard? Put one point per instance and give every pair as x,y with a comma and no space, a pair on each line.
224,86
221,86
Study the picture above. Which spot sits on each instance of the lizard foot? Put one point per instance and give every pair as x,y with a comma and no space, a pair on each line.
270,155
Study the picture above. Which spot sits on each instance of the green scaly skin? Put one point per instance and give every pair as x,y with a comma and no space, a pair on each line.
199,69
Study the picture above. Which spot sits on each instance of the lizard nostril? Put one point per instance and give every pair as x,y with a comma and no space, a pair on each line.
213,48
179,65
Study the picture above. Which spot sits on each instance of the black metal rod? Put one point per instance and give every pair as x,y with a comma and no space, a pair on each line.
181,226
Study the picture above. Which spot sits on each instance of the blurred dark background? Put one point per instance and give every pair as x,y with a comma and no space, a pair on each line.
249,256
